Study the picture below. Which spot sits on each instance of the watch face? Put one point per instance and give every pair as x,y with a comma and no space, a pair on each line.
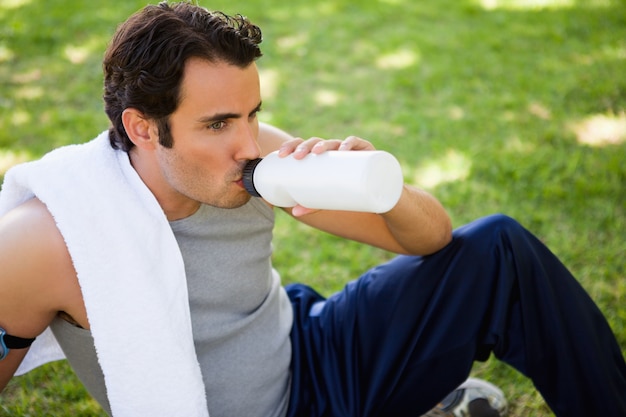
3,348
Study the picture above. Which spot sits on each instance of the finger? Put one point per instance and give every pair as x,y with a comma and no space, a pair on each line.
355,143
289,147
326,145
297,211
305,147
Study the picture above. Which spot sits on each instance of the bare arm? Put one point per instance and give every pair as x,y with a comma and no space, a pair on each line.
418,224
37,278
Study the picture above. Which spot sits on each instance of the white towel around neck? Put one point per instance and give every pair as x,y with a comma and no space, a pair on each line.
131,275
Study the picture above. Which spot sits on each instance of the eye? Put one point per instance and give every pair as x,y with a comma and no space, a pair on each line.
217,125
254,114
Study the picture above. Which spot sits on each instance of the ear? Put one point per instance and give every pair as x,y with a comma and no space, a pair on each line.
139,128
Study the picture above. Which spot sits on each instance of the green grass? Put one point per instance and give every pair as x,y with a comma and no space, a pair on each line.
512,108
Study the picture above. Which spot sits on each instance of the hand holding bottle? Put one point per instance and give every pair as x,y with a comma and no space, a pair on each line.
322,174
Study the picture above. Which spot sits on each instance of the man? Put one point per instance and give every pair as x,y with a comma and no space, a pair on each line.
150,263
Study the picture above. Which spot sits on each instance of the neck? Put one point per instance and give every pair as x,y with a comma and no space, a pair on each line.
174,205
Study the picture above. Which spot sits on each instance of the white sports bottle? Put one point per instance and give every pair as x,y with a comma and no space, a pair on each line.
368,181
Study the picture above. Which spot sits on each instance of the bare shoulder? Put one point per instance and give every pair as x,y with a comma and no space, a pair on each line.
37,278
29,233
271,137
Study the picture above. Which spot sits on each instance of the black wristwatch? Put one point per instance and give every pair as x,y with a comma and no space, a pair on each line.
8,342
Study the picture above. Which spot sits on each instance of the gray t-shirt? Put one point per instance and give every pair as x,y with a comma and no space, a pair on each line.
241,316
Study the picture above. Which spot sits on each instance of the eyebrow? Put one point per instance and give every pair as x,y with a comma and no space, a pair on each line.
224,116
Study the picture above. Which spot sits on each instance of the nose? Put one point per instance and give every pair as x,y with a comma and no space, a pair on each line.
248,141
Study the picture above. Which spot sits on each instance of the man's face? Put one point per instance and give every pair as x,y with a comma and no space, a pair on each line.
215,131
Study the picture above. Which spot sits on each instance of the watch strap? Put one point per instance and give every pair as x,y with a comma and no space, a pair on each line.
14,342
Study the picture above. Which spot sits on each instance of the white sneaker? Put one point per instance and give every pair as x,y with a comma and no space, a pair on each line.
473,398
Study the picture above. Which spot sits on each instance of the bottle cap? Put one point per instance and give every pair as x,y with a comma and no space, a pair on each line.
247,178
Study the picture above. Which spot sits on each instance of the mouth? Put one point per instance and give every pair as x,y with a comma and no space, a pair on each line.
239,177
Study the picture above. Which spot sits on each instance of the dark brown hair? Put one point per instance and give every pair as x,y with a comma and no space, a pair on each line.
144,64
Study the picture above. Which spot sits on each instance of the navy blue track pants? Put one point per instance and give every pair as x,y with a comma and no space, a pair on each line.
406,333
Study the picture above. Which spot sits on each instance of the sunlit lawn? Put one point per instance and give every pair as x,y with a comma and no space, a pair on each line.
493,106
